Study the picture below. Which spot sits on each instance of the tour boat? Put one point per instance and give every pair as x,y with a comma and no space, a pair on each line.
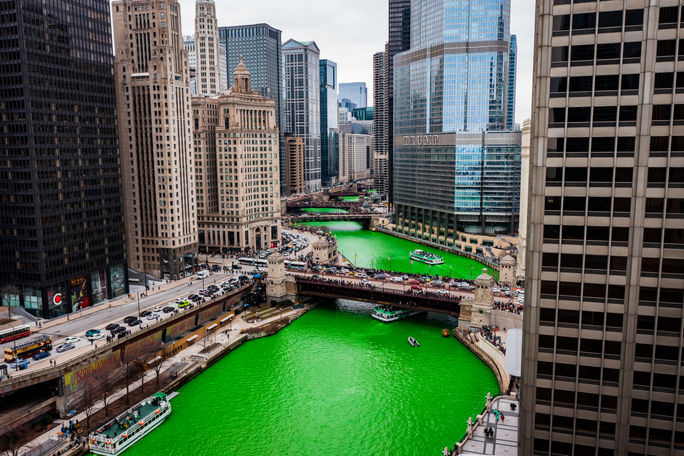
390,314
426,257
122,432
413,342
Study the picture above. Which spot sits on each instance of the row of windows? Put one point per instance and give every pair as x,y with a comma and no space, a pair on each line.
608,21
605,53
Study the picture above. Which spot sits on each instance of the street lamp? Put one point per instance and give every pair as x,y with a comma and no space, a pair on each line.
138,305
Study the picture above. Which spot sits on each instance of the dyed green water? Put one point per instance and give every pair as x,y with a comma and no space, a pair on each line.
335,382
349,198
324,210
372,249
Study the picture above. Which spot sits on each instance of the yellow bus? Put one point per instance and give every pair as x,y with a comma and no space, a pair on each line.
28,349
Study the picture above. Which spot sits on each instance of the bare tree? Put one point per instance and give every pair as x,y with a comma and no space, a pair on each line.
128,368
160,360
89,396
106,385
11,443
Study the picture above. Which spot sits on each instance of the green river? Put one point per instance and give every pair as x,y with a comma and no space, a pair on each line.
373,249
335,382
324,210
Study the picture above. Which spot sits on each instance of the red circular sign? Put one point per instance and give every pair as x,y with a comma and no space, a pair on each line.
57,299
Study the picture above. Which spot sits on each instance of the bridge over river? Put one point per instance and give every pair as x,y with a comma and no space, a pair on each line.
378,291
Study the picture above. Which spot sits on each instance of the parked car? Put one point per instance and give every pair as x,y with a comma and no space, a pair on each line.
396,279
72,340
129,319
168,309
442,291
135,322
64,347
413,282
157,309
152,316
95,337
92,332
111,326
416,287
145,313
41,355
437,283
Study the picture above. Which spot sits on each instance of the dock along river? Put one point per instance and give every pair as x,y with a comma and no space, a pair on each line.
373,249
334,382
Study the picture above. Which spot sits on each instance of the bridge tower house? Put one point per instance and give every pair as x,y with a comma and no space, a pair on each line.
508,267
483,302
278,287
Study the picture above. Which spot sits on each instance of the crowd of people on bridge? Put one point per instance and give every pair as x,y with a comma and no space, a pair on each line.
508,307
489,333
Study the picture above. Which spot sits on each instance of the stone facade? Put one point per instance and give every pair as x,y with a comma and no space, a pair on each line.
507,271
155,134
484,300
238,188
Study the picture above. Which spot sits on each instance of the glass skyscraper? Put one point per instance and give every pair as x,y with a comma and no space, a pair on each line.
329,152
356,92
62,245
456,166
512,63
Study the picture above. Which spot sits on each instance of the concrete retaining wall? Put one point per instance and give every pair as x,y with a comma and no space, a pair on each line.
506,320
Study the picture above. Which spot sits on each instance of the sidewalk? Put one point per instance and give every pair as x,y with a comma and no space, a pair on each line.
505,441
151,376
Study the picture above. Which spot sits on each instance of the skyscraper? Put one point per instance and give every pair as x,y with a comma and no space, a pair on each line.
605,272
356,92
238,188
208,71
189,44
260,47
399,41
155,135
62,243
510,90
355,156
456,168
329,150
302,105
294,165
380,149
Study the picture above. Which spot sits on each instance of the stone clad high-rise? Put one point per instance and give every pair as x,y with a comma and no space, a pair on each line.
380,147
155,137
62,244
456,167
603,346
209,73
237,162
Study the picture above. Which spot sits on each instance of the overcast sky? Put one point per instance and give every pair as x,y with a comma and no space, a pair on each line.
349,32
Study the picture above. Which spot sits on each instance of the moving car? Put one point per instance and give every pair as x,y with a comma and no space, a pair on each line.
72,340
41,355
21,365
92,332
65,347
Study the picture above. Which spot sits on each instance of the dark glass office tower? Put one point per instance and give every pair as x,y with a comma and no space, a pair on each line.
510,95
399,41
62,232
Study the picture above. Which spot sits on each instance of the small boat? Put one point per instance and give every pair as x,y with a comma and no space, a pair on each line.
122,432
445,332
388,314
413,342
426,257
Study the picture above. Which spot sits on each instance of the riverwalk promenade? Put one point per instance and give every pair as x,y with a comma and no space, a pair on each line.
504,438
183,362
